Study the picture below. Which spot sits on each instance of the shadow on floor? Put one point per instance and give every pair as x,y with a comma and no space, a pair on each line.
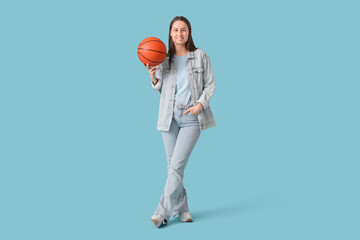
233,209
226,210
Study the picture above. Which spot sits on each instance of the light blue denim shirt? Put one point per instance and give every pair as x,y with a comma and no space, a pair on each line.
201,83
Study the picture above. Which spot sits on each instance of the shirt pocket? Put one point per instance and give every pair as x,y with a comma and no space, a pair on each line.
198,75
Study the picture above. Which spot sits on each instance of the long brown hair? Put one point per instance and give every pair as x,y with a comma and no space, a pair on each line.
189,45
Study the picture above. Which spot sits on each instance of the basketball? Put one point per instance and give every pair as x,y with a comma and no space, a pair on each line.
151,50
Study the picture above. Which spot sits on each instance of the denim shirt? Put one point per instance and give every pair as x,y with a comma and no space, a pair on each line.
201,83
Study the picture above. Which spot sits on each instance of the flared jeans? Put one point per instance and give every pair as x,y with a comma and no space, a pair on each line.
179,142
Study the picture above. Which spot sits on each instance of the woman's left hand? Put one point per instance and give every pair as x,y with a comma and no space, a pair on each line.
195,110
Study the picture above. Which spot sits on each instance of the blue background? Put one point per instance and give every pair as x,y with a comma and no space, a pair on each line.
80,154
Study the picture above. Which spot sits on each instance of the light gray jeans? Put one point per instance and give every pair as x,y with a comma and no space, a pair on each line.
179,142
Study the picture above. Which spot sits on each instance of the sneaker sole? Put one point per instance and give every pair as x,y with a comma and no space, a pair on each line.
188,220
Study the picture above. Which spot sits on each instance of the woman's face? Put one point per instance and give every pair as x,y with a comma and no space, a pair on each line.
179,32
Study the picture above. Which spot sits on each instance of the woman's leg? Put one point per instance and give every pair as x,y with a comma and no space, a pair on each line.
174,198
169,139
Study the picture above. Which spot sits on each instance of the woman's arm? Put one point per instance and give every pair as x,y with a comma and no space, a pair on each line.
155,75
208,88
157,84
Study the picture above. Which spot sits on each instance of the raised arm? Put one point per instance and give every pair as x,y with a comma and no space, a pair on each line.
155,75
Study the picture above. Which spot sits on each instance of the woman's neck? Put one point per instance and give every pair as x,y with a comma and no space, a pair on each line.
180,50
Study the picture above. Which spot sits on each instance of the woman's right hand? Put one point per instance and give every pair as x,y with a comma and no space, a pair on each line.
152,71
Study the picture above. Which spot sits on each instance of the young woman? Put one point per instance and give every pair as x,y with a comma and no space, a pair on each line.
186,83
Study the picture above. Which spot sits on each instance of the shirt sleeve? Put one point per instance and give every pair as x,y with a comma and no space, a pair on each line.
209,83
158,85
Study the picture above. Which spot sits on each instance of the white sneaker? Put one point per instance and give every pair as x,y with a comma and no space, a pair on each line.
185,217
158,220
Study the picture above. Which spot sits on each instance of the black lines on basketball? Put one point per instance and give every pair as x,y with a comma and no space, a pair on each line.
150,41
148,59
152,50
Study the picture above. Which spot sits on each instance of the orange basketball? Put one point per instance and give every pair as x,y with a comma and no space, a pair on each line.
151,50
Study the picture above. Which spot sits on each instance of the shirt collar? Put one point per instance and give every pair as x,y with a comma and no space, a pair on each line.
191,55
